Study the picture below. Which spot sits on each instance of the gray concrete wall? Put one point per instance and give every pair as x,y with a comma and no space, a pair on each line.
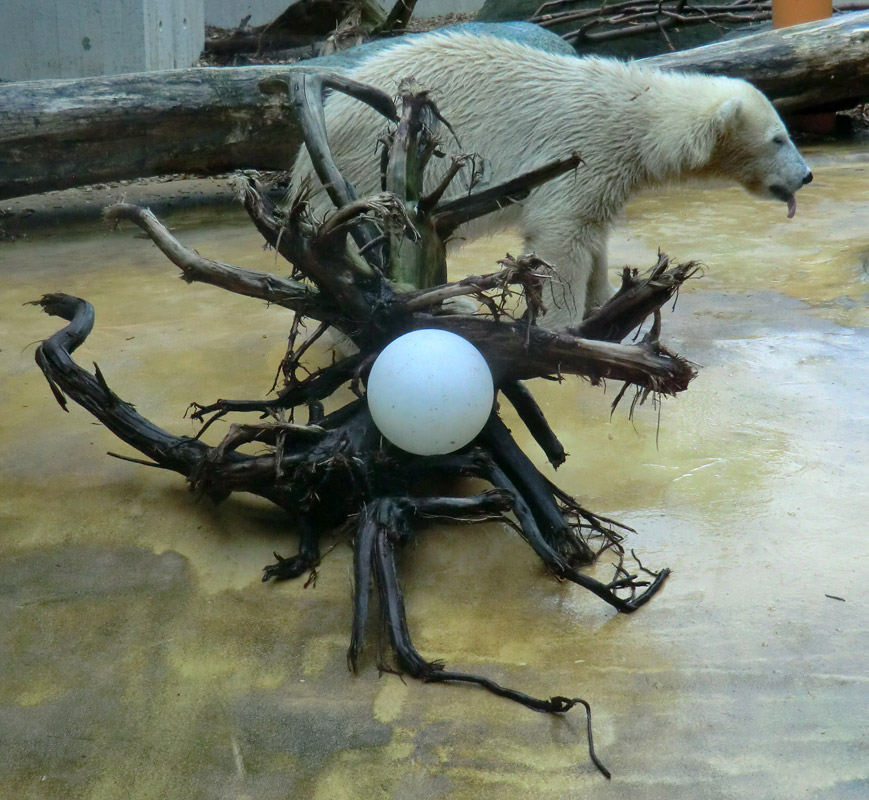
175,32
79,38
228,13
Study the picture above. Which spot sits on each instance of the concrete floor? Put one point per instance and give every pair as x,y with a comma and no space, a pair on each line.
141,656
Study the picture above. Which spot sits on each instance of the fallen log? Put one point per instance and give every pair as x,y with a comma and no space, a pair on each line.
817,66
57,134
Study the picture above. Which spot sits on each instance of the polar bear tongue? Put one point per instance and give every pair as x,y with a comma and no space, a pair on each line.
792,206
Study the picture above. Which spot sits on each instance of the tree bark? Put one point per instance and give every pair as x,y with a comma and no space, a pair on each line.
57,134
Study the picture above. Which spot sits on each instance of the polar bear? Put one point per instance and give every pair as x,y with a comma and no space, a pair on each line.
520,106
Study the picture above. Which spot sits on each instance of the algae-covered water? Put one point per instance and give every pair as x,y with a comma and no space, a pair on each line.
142,657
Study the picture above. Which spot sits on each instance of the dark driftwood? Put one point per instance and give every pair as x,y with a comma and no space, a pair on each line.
302,23
59,134
620,20
337,469
311,23
638,17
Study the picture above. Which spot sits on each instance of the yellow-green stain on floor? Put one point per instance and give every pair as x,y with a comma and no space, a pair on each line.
142,657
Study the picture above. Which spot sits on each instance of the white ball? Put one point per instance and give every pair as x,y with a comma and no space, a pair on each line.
430,392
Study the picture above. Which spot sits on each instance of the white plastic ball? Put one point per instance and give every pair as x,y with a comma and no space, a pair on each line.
430,392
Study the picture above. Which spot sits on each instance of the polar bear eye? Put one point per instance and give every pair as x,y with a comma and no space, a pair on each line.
779,139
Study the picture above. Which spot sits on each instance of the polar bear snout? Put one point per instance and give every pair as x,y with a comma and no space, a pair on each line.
783,189
788,174
792,171
783,193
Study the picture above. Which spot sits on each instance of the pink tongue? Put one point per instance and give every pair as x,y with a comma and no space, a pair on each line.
792,206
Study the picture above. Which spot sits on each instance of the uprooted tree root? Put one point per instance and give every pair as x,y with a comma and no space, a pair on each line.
335,469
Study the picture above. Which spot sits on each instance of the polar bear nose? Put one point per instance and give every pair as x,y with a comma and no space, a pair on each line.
808,178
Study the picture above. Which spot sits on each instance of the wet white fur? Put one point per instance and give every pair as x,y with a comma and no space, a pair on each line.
520,107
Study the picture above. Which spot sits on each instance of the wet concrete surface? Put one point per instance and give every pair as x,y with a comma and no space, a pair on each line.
142,657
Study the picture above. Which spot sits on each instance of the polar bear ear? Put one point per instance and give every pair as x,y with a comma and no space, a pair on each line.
729,113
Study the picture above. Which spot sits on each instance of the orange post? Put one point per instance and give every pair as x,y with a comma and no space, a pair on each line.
793,12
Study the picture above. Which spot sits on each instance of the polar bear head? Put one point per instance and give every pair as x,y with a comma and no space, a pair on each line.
754,149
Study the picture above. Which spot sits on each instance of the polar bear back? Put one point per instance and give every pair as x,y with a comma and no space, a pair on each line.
519,107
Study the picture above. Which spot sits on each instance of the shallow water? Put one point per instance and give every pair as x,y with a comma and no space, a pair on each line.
141,654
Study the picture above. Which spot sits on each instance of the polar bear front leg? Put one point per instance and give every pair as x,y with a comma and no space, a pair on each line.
564,292
599,287
579,261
